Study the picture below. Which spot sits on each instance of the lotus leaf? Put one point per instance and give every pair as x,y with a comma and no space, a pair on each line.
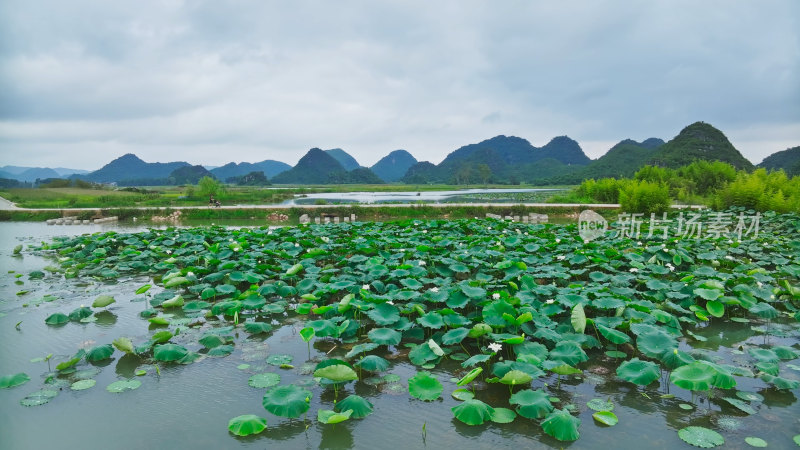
338,373
639,372
454,336
359,406
568,352
56,319
361,348
503,415
99,353
466,379
384,314
696,376
424,386
38,398
373,363
473,412
222,350
247,424
462,394
562,425
598,404
384,336
655,343
17,379
516,378
532,404
606,418
257,327
82,384
123,385
212,341
701,437
332,417
264,380
287,401
103,301
578,318
279,360
755,442
614,336
169,352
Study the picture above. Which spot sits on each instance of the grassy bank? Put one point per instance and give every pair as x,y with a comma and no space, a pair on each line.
273,215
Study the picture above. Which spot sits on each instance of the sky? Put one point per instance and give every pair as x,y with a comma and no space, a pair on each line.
208,82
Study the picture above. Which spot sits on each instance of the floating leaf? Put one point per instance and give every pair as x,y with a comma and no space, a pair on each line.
562,425
755,441
247,424
287,401
373,363
639,372
701,437
258,327
56,319
503,415
606,418
123,385
16,379
462,394
696,376
169,352
337,373
103,301
99,353
598,404
473,412
740,405
424,386
279,360
359,406
82,384
385,336
123,344
516,378
532,404
332,417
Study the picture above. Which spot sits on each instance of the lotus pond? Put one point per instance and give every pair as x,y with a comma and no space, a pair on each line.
471,333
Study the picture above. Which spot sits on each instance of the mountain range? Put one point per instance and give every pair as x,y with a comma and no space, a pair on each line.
501,159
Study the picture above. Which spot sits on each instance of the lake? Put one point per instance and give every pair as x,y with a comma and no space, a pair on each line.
189,406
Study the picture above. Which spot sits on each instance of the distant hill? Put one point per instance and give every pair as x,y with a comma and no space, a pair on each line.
348,162
269,167
394,166
788,160
563,149
699,141
420,173
29,174
128,168
509,159
188,175
319,167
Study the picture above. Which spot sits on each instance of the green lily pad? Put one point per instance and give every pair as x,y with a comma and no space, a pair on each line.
247,424
562,425
424,386
332,417
462,394
532,404
606,418
373,363
17,379
359,406
701,437
264,380
639,372
503,415
82,384
598,404
473,412
287,401
123,385
38,398
384,336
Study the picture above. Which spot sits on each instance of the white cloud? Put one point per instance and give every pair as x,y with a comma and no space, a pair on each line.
211,82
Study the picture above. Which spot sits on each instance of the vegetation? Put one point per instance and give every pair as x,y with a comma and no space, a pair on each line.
521,310
319,167
787,160
715,184
393,166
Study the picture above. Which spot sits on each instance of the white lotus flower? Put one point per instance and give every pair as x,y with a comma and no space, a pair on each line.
365,287
495,347
422,263
496,296
550,301
558,240
633,270
434,290
561,257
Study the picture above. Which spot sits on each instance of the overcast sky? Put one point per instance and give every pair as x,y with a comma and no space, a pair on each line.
208,82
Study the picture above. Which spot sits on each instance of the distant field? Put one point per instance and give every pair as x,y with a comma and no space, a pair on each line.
165,196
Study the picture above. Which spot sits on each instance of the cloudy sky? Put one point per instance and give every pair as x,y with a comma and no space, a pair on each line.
85,81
